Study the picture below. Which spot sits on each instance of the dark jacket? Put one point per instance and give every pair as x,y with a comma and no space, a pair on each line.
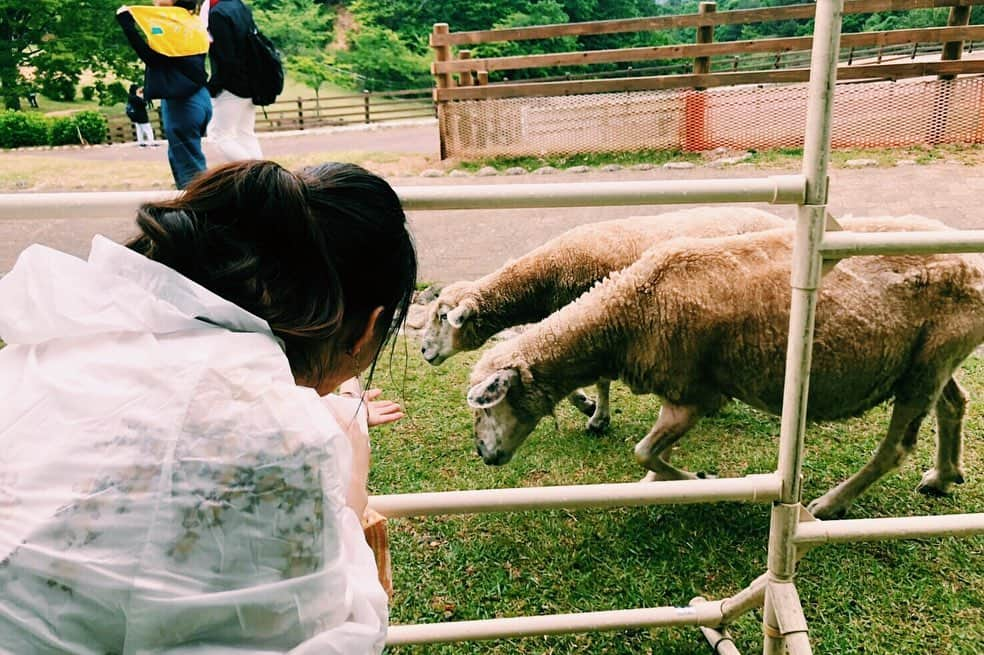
165,77
136,107
230,23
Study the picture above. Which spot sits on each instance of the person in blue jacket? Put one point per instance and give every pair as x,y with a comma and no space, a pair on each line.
179,83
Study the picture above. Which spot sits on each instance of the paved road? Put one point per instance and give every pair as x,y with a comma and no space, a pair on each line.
468,243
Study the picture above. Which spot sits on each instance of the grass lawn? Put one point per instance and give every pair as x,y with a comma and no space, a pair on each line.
922,597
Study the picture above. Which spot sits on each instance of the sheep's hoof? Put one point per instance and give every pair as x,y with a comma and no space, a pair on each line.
825,509
936,483
597,425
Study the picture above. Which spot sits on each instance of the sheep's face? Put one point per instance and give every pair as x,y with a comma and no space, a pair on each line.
437,342
444,332
502,419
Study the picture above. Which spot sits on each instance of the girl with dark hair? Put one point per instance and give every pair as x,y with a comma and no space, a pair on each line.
176,474
176,75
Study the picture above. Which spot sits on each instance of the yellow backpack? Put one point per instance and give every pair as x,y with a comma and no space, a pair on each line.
172,31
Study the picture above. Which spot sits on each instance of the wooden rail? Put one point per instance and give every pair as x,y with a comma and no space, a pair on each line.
660,82
309,113
655,23
696,50
705,72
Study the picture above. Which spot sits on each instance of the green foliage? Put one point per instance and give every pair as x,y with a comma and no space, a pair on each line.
59,39
295,26
88,92
57,75
311,70
92,125
377,59
110,94
21,128
63,131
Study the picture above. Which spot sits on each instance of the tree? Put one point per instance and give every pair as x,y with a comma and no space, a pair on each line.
311,70
296,27
70,36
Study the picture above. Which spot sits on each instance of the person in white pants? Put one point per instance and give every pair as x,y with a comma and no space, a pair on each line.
232,127
145,134
233,113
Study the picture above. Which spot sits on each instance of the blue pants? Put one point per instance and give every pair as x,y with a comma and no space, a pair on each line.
185,120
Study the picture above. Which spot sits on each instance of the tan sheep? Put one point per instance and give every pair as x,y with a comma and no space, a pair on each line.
699,322
526,290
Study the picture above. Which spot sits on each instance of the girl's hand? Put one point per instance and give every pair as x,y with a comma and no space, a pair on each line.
381,412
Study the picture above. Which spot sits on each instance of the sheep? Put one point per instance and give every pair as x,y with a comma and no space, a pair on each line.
700,322
528,289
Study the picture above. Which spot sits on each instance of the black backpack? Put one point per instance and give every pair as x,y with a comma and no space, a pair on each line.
264,67
131,112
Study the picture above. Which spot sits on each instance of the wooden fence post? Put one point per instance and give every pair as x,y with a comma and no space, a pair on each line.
952,50
442,53
365,105
465,77
300,113
705,34
695,101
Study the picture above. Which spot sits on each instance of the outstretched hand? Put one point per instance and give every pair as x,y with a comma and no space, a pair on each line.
380,412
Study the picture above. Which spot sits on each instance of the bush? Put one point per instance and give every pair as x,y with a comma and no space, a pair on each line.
88,92
58,86
20,128
64,131
111,94
92,125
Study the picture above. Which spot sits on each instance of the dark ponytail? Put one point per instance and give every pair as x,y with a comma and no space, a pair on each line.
311,253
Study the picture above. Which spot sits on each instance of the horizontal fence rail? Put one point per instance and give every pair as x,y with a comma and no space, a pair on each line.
309,113
905,527
656,23
707,613
752,488
690,50
837,245
778,189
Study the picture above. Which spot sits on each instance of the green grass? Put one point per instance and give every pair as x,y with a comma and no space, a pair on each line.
923,597
655,157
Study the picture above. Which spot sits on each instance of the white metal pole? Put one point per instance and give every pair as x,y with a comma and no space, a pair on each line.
807,266
906,527
778,189
754,488
708,613
838,245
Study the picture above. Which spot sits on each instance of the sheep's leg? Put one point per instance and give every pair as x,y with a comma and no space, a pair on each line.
601,416
653,451
950,410
903,429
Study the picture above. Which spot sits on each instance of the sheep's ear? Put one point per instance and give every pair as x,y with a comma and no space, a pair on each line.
490,391
460,314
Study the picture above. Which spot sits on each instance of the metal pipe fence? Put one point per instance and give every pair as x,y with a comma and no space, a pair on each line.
792,531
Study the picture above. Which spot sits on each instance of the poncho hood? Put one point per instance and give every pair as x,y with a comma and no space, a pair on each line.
52,295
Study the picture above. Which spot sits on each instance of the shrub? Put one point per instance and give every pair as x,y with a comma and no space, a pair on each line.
64,131
111,94
58,86
92,125
88,92
21,128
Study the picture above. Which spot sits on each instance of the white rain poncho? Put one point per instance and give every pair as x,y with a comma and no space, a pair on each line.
165,487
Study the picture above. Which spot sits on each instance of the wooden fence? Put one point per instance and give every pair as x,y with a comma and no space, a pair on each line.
466,78
309,113
459,76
